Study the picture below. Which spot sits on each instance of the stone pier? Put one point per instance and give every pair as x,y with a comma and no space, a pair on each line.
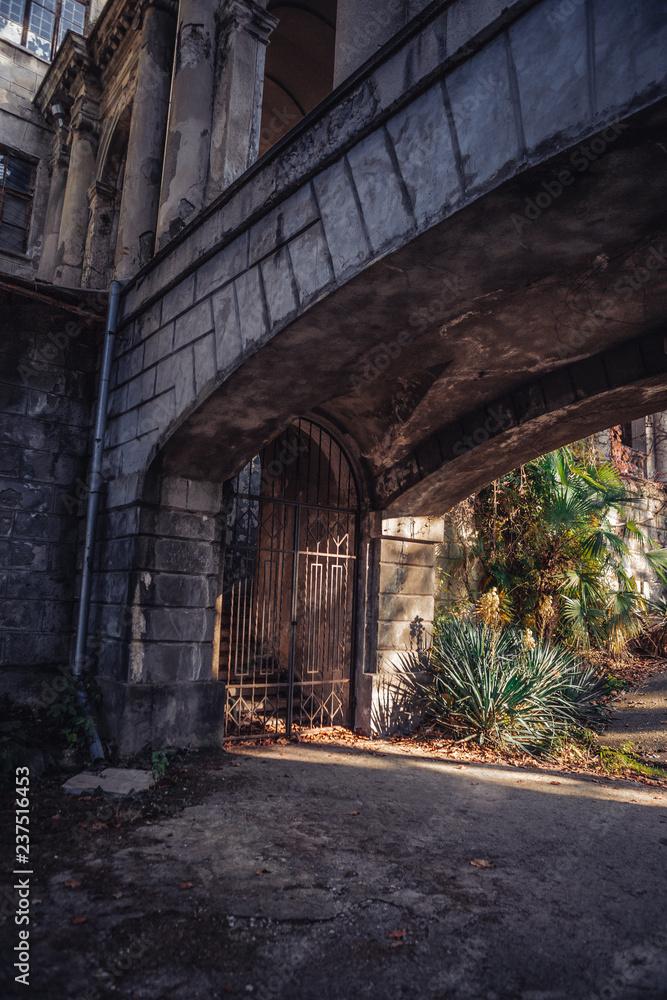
189,131
74,225
244,29
405,556
148,129
54,210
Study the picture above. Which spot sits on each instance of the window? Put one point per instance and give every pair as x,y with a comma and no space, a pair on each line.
16,185
40,25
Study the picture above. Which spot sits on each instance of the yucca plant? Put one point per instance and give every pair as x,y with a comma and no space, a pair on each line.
491,685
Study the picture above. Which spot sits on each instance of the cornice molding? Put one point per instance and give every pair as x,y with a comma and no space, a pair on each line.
246,15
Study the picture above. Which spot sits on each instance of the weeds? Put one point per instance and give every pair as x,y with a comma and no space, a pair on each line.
159,762
619,760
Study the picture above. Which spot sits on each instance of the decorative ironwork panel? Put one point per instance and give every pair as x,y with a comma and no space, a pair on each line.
288,585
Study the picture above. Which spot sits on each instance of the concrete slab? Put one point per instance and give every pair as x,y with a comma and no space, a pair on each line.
112,781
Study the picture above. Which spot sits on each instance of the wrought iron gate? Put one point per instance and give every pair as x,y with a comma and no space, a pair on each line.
288,587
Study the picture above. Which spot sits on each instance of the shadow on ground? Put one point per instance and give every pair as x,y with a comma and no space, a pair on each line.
640,717
316,872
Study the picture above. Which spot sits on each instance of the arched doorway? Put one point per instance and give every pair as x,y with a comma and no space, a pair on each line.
286,611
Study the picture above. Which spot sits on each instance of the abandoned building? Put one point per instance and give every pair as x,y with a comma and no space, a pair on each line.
355,260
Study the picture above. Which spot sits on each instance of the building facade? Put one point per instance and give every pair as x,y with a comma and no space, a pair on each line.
348,235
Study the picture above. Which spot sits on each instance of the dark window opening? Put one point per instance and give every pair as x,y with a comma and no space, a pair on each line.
299,65
626,435
17,178
41,25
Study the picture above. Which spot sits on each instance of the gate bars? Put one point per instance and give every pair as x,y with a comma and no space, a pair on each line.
288,587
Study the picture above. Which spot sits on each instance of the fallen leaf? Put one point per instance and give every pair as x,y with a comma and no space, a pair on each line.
186,885
397,934
79,920
554,782
116,895
461,767
355,812
263,871
72,883
99,826
481,863
57,816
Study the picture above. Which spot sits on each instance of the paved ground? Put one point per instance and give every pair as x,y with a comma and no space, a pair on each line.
325,873
640,717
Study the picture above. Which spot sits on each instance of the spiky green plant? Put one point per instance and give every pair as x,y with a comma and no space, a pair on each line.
485,684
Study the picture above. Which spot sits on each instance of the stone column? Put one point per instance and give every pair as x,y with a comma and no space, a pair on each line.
243,34
83,140
405,587
189,131
362,27
97,260
59,164
148,128
660,446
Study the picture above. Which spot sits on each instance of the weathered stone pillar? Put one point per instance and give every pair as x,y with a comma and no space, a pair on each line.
97,260
83,139
54,209
660,446
243,34
405,582
148,128
189,131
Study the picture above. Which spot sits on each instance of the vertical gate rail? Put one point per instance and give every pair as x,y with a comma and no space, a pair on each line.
288,587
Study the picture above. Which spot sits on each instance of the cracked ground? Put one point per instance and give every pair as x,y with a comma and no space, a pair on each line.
323,872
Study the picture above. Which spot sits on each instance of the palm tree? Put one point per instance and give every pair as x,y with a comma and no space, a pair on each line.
555,535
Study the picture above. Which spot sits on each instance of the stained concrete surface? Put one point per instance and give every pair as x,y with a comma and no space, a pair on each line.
111,781
323,872
640,717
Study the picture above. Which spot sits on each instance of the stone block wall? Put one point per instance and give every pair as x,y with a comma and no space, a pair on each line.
154,591
157,565
48,362
402,149
405,603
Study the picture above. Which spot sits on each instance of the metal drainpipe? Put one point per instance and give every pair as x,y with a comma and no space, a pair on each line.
92,507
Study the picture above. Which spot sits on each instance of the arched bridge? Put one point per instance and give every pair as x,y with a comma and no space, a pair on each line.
427,259
456,262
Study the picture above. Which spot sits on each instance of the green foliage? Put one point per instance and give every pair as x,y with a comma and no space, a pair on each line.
553,536
617,761
159,761
67,711
486,685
